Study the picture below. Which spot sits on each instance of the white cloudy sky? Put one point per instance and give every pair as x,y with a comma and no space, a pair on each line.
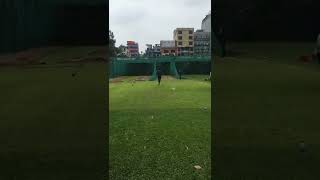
149,21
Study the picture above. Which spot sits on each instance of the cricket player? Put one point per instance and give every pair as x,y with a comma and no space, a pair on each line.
159,74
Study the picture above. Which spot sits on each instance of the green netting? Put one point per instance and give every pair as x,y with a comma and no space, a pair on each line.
173,69
168,66
194,67
154,74
124,68
7,25
24,24
32,23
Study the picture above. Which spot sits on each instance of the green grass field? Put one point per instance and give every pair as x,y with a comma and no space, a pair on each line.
265,102
53,125
160,133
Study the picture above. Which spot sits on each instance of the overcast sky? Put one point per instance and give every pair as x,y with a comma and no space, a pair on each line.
149,21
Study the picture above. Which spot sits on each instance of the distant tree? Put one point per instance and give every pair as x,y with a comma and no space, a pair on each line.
121,49
112,44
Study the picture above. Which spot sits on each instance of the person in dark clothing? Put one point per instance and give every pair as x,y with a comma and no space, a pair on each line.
159,74
180,73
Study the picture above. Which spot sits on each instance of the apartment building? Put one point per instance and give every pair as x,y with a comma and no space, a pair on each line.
202,43
206,27
168,48
184,41
133,49
153,50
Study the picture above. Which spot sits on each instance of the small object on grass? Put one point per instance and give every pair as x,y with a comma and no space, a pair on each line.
173,89
204,108
187,147
144,147
133,82
152,117
197,167
209,78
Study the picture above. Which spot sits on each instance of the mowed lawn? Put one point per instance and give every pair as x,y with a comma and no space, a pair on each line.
157,132
53,125
265,102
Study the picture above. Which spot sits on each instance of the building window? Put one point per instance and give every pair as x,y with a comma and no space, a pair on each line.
180,37
173,51
190,43
166,51
179,32
180,43
190,32
190,37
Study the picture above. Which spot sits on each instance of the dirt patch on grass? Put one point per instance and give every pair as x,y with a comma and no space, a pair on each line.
97,55
85,60
142,78
168,78
136,78
37,56
117,80
130,79
31,56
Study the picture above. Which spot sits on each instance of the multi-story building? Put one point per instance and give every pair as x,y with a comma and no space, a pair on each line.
206,27
153,51
149,50
206,23
157,50
133,49
168,48
202,43
184,41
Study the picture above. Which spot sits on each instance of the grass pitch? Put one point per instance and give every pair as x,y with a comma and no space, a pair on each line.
53,125
160,132
265,102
